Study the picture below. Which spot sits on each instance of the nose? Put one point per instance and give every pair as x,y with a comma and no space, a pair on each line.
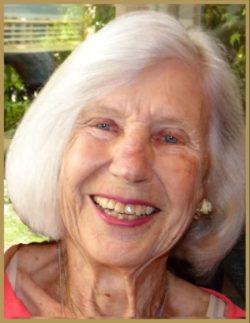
132,159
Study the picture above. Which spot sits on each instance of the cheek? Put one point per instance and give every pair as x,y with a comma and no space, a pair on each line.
80,162
83,158
182,177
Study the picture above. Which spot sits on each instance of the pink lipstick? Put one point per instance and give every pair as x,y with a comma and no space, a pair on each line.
123,218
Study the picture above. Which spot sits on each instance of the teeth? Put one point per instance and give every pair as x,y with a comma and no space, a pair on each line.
149,210
129,209
102,202
110,205
120,216
139,209
119,208
132,217
123,211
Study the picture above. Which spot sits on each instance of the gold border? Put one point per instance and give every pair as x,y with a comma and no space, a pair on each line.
2,146
246,3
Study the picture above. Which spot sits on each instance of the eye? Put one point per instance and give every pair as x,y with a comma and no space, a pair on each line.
170,139
104,126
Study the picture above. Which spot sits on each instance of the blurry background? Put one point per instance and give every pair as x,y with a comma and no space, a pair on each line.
38,38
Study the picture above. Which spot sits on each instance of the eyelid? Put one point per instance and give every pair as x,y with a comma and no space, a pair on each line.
98,120
112,125
179,134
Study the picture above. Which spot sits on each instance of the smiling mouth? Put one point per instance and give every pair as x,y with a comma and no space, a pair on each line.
123,211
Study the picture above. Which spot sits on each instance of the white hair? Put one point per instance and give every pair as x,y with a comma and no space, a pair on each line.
113,57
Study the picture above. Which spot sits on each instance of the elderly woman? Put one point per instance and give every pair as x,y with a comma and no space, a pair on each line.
131,155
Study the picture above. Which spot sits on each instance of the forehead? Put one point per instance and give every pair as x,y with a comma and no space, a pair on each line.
168,89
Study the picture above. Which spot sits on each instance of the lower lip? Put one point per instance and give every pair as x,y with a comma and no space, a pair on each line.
124,223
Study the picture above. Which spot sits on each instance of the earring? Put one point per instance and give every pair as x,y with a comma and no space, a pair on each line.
205,209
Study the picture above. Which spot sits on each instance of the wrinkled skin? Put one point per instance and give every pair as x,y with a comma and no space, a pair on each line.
120,148
146,141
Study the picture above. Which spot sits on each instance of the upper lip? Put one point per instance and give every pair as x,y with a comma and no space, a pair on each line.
130,201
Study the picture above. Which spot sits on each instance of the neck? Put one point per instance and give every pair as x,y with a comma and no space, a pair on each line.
96,290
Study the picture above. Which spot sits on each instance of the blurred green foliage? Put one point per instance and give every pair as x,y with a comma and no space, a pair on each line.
15,231
102,15
16,98
228,24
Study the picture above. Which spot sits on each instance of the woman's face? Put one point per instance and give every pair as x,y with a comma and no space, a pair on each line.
132,173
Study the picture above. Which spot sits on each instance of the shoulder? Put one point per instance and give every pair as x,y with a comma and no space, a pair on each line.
32,273
232,310
38,262
31,256
9,253
186,299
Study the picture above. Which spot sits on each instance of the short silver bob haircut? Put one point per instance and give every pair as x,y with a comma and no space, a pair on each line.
112,57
